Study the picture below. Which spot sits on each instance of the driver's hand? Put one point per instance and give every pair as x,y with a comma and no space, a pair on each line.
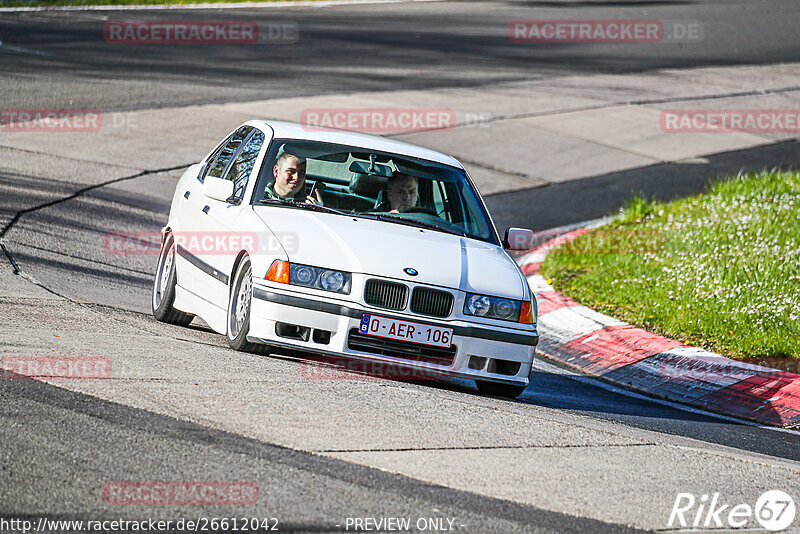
316,195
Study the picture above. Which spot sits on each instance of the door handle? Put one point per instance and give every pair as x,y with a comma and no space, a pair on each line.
186,194
205,210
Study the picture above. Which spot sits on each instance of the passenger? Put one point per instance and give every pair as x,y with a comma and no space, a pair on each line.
290,181
401,192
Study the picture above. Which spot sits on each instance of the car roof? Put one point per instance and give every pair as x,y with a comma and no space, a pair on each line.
294,130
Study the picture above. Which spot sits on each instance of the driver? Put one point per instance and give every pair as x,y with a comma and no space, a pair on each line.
290,181
402,192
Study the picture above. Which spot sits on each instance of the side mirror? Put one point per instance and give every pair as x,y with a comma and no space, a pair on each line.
518,239
217,188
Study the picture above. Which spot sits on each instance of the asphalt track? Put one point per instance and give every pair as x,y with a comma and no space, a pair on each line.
356,48
59,59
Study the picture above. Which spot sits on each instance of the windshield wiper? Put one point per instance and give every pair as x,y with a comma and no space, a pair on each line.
301,205
413,222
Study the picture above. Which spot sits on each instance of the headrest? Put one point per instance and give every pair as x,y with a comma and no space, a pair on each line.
367,185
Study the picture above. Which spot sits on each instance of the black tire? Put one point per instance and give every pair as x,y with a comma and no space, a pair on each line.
239,301
164,288
494,389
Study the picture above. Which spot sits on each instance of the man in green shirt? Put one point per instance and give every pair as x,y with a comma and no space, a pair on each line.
290,181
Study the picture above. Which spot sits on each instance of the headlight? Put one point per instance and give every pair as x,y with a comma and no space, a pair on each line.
302,275
504,309
492,307
332,280
477,305
307,276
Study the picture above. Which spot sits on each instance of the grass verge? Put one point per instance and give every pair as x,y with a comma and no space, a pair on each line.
719,270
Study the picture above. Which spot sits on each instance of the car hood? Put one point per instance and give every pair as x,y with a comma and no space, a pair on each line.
382,248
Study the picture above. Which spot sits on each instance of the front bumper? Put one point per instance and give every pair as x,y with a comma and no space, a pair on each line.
482,352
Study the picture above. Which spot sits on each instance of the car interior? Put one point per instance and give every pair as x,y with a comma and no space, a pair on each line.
356,182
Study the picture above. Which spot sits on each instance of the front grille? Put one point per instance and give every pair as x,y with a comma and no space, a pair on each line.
431,302
400,349
386,294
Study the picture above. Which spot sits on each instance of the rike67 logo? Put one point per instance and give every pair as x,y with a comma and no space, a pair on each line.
774,510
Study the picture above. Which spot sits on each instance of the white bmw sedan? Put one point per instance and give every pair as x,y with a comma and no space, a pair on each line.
347,244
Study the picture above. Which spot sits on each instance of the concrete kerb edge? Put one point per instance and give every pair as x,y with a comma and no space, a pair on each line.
597,345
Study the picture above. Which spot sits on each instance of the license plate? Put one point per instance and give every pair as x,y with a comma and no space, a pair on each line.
424,334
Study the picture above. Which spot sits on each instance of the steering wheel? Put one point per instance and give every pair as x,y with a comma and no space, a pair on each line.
420,209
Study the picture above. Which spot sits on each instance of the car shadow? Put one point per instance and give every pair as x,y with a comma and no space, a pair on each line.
547,389
584,394
586,397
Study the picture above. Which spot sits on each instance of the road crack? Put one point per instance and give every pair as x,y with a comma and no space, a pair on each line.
82,191
488,447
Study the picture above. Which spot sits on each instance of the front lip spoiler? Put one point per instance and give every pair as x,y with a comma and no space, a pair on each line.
432,372
356,313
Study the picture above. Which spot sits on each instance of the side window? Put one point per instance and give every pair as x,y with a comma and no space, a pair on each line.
221,163
243,164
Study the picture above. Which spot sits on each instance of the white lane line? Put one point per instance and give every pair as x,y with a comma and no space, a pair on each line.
237,5
546,366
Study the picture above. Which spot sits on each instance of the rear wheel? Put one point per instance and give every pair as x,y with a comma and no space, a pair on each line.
241,296
494,389
164,288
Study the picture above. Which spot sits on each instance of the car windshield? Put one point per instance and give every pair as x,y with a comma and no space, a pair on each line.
388,187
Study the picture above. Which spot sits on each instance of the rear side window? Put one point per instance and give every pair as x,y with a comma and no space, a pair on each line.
242,166
217,168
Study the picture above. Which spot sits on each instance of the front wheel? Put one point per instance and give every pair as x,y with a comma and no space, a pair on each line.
164,288
239,302
494,389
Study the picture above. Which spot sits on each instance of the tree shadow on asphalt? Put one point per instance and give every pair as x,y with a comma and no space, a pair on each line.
575,201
